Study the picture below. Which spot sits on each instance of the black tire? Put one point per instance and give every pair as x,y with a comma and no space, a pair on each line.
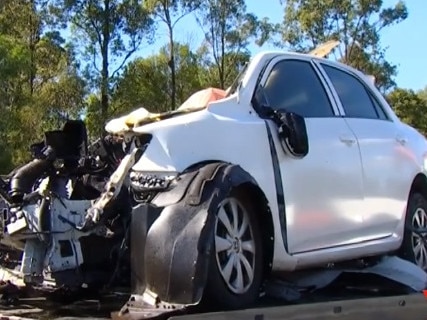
417,204
217,292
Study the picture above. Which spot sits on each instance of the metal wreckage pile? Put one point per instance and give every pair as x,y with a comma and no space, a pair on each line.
48,222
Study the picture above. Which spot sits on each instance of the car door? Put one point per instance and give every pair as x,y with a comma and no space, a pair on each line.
323,191
381,146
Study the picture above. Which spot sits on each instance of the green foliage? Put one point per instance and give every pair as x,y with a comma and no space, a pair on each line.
145,81
48,76
39,82
423,94
410,108
228,31
355,23
93,116
110,31
14,63
233,63
170,12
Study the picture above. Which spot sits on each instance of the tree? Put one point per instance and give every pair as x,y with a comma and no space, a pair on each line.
38,79
233,63
170,12
228,30
410,108
22,20
145,81
110,31
357,24
13,63
423,94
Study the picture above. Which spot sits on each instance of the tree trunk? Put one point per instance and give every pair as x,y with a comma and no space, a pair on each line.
173,69
105,63
32,46
171,56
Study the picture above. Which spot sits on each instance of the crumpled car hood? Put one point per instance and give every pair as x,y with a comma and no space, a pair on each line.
198,101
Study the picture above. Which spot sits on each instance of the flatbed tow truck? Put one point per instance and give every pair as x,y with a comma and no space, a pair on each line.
412,306
391,290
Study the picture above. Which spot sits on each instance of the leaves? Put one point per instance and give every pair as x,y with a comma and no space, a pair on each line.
39,84
410,108
228,30
145,81
62,59
355,23
110,31
170,12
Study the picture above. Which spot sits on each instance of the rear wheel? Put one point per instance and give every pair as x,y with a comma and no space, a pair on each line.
235,272
414,246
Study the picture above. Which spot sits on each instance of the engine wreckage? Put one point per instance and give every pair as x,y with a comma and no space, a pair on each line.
72,217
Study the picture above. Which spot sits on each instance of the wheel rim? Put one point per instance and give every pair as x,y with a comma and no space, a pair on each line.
419,245
234,246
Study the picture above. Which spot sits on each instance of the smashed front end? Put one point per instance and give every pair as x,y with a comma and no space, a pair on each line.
45,204
83,217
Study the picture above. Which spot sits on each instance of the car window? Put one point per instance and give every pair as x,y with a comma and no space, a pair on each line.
355,99
381,113
293,86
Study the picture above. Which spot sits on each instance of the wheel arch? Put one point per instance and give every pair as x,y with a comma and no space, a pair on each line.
180,240
419,188
264,216
419,184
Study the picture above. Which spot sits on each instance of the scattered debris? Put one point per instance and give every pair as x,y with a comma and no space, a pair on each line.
390,267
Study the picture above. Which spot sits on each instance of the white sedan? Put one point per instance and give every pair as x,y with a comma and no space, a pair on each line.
310,166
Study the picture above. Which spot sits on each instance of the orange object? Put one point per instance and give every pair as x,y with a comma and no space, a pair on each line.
202,98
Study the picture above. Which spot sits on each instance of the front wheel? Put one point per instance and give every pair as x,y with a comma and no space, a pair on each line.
236,266
414,246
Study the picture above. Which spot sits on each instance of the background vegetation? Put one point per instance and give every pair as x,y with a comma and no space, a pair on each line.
62,59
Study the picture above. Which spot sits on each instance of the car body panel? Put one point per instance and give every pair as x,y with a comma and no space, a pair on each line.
181,142
388,172
331,215
390,162
321,217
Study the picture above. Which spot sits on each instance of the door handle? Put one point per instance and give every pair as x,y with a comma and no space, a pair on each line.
402,140
347,139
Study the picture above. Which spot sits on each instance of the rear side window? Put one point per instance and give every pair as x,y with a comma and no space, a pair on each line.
355,98
293,86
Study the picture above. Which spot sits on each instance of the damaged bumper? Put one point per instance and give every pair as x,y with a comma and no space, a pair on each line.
169,255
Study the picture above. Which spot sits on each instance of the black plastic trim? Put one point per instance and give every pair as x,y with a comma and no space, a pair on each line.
280,194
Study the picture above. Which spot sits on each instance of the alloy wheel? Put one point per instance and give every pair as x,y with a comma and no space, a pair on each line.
235,246
419,239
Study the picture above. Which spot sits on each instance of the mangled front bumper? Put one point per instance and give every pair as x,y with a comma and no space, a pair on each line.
173,262
171,243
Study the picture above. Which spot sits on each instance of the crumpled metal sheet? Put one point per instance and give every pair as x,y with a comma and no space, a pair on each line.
390,267
399,270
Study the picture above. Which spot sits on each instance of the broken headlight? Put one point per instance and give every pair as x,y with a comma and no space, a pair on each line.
151,181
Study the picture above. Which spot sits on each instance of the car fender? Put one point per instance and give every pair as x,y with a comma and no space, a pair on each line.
178,243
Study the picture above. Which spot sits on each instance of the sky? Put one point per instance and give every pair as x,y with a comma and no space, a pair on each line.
406,42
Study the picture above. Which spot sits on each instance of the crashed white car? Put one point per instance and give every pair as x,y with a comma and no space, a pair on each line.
303,164
300,164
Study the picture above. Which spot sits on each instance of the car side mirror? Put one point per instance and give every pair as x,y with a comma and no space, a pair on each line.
292,133
291,126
